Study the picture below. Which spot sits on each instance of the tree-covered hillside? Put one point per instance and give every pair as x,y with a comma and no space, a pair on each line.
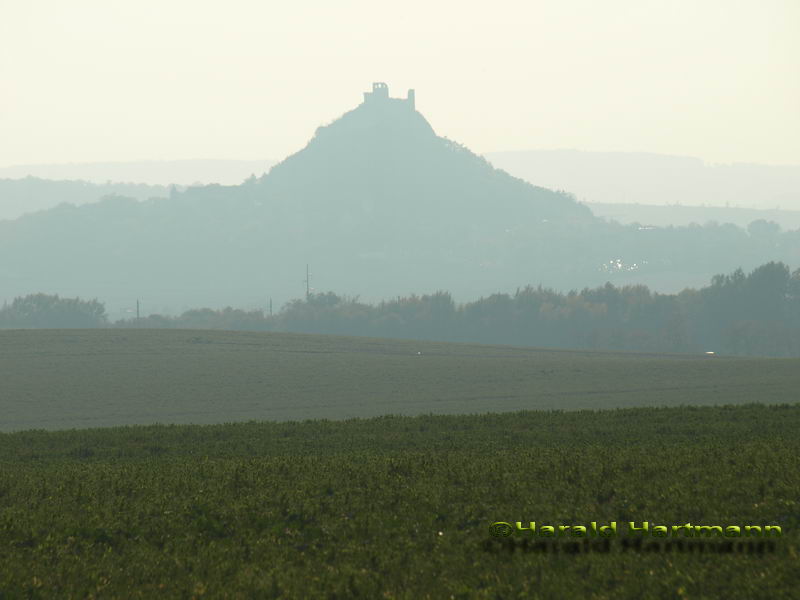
32,194
380,206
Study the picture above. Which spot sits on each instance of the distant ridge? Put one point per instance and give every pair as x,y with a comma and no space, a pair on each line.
594,177
150,172
663,216
656,179
31,194
379,205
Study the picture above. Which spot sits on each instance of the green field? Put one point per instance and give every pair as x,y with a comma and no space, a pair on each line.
390,506
62,379
399,507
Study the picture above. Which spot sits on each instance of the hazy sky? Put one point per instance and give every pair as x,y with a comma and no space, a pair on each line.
108,80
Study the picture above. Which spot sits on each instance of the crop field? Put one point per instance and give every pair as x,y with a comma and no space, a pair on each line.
63,379
335,467
401,507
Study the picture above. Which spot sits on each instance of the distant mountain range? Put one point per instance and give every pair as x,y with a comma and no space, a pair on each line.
664,216
150,172
378,205
601,179
31,194
656,179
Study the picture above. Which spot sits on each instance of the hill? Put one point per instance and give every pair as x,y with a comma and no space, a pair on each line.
371,194
383,160
58,379
32,194
380,206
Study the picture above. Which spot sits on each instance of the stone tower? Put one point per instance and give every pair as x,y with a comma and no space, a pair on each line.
380,93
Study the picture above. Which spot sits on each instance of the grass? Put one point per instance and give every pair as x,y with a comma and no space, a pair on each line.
317,504
62,379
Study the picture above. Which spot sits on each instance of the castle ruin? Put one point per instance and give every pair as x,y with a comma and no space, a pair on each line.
380,93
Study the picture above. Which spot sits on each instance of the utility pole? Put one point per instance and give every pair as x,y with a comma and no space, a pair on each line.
308,283
137,310
270,307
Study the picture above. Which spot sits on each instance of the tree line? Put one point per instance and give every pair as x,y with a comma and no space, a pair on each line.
755,314
45,311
